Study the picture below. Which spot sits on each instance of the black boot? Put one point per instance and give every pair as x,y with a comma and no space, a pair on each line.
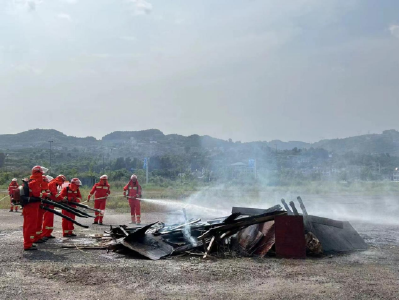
33,247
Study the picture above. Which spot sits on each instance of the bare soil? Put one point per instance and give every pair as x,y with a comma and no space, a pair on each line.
56,273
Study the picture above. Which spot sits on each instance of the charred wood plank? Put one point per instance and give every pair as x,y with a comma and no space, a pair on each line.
242,223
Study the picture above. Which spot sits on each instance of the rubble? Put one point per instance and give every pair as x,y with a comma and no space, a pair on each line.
246,232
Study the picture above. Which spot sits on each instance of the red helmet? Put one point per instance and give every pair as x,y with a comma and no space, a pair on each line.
39,169
104,177
61,177
76,181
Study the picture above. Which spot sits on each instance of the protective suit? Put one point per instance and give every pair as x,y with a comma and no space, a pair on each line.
100,190
31,209
48,218
132,191
11,188
71,194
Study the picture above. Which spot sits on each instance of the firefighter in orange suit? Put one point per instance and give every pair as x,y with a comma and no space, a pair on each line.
134,191
11,188
31,208
70,194
48,219
101,191
44,194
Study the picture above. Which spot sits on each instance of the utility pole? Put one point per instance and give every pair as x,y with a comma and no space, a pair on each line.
50,142
147,170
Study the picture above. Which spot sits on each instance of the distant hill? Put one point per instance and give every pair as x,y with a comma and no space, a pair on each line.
155,142
386,142
39,138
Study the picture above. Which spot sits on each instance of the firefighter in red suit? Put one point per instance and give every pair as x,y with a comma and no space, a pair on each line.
70,194
48,219
31,209
101,191
134,191
44,194
13,186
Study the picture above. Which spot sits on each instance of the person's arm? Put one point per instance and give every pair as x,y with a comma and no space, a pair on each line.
91,192
125,189
139,191
78,196
63,194
108,191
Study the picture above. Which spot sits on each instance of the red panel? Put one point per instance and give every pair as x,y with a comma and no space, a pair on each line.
290,240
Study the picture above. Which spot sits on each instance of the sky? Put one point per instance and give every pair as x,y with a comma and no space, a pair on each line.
249,70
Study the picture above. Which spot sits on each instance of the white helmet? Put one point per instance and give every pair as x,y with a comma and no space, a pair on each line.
14,179
133,177
49,178
104,177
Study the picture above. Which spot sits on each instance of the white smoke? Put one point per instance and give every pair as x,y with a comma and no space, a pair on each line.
141,7
394,30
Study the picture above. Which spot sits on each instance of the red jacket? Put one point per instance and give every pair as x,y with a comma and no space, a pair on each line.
100,191
71,195
134,189
12,187
53,187
35,188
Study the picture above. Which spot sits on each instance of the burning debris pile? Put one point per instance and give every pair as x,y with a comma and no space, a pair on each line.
246,232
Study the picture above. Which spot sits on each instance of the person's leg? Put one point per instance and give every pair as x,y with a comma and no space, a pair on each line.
137,211
48,221
64,224
102,208
132,205
39,224
96,206
30,223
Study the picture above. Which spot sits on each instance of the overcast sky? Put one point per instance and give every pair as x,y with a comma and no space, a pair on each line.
246,70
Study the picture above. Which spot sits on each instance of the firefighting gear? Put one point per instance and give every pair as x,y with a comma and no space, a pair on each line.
11,189
14,179
134,177
76,181
101,191
48,219
39,169
134,191
72,194
60,179
105,177
31,207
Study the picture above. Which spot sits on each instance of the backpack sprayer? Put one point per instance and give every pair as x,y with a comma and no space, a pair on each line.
21,197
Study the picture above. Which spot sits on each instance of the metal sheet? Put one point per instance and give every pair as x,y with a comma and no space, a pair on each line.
289,237
266,243
334,238
255,211
149,246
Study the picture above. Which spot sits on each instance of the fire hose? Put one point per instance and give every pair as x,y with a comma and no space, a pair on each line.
62,216
4,198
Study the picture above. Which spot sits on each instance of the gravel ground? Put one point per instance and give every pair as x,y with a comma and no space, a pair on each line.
55,273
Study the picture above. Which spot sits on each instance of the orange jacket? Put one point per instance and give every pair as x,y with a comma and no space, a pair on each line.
12,187
100,190
71,195
134,189
53,187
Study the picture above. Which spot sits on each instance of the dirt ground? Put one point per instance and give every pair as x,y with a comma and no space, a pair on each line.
56,273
